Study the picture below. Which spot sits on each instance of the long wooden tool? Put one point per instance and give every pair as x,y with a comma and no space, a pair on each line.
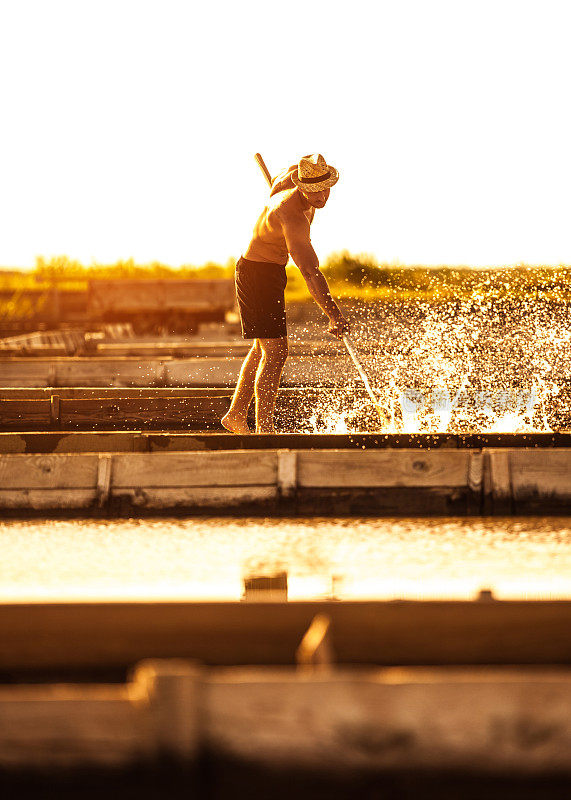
364,377
262,166
350,349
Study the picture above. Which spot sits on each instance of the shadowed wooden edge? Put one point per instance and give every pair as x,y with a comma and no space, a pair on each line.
87,635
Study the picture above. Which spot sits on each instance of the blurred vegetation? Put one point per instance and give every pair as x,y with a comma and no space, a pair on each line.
362,277
62,269
350,276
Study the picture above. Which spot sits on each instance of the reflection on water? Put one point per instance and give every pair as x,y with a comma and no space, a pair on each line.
209,559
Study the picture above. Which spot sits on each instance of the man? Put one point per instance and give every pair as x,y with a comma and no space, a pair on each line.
281,230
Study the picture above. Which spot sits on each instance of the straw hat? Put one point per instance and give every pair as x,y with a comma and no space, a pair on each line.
314,175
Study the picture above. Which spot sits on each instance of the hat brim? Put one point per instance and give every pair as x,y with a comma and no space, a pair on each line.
317,187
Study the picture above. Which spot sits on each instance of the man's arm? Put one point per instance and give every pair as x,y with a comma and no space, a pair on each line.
296,231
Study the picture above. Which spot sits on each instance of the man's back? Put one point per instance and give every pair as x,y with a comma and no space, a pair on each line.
268,242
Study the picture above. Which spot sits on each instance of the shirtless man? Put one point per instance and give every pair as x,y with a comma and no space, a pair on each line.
281,230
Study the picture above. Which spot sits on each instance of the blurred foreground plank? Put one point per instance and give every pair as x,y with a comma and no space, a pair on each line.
511,721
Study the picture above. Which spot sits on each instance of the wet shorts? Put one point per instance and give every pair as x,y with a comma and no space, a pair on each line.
260,291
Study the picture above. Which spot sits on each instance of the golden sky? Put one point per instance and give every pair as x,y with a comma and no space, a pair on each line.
128,127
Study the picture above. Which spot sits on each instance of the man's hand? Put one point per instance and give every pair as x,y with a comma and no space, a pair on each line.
339,326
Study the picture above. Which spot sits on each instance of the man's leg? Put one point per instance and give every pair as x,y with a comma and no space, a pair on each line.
236,420
274,355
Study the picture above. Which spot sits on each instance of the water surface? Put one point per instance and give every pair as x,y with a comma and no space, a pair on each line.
208,558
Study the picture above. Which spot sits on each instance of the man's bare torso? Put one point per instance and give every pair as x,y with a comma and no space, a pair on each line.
285,208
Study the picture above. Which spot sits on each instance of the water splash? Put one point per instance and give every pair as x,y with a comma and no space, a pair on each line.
486,364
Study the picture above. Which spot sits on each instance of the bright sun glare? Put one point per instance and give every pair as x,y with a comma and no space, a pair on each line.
129,127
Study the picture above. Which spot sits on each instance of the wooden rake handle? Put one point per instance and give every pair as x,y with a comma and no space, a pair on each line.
262,165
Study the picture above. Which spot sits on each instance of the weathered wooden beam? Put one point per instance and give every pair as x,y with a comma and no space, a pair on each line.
80,413
326,468
63,726
106,392
66,725
141,441
132,371
480,721
91,636
536,473
401,480
192,349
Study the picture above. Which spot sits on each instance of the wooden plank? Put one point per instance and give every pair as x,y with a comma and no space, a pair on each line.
85,441
193,498
541,473
160,412
190,348
192,477
209,469
202,371
143,412
75,371
23,372
161,480
61,471
86,372
62,726
88,636
12,443
318,469
480,721
86,393
20,414
46,499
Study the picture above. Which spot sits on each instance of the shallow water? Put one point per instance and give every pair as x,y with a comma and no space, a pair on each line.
208,558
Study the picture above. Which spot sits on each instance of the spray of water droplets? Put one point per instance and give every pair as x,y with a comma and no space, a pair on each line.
487,364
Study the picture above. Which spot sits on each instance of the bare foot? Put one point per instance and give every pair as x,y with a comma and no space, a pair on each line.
235,424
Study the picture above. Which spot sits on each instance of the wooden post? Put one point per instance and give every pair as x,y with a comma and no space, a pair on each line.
500,481
103,488
55,410
475,478
52,375
171,689
287,472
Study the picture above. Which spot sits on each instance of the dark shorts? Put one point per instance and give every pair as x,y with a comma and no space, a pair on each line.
260,292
